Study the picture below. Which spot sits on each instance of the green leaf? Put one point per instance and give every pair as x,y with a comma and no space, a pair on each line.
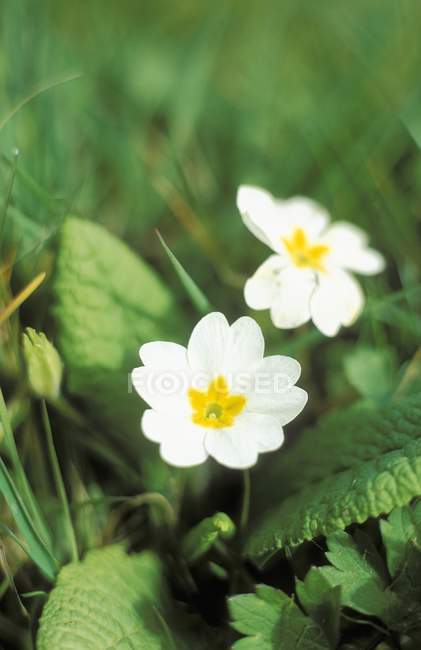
272,621
401,534
111,600
371,371
108,302
322,602
358,570
368,462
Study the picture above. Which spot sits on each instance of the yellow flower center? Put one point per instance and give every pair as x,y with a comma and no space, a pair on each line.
303,253
215,407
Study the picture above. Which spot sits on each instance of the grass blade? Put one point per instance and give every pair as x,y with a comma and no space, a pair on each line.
195,294
36,548
37,91
23,484
21,297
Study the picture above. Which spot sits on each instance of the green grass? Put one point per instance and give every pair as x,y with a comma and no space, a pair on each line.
143,116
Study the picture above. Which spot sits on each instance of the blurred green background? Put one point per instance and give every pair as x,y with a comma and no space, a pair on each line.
144,115
179,103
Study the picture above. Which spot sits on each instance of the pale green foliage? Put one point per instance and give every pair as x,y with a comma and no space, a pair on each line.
391,594
368,462
43,364
401,534
108,302
272,621
359,571
371,371
322,602
110,600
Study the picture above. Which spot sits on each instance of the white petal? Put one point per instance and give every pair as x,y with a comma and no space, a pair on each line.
275,374
258,210
366,261
246,345
164,355
267,430
215,348
302,212
154,425
182,442
291,306
163,390
292,403
235,446
274,394
338,300
349,249
208,343
344,234
260,289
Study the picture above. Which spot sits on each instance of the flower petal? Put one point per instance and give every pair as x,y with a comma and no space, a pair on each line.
343,234
291,306
245,346
338,300
258,210
302,212
208,343
293,402
163,390
276,374
349,249
164,355
153,425
235,446
267,429
260,289
273,392
181,440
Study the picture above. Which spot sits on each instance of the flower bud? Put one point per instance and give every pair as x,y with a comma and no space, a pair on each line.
200,539
43,364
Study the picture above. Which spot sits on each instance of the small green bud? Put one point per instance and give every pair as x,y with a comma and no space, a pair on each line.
43,364
200,539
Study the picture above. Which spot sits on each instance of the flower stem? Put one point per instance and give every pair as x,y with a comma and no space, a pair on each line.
245,508
59,483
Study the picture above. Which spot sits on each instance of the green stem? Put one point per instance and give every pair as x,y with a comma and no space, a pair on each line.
245,508
58,480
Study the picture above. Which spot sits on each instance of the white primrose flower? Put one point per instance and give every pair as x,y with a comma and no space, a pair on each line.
218,397
308,276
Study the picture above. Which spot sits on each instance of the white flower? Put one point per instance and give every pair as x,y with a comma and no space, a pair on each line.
309,274
219,396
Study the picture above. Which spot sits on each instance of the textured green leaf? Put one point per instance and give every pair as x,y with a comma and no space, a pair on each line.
401,534
110,601
322,602
108,302
272,621
358,570
356,464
